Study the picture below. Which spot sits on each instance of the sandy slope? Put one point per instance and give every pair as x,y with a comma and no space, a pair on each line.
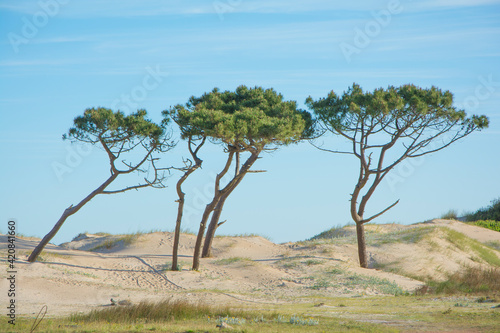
72,278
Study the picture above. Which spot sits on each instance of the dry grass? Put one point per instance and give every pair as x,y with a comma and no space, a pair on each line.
470,280
156,312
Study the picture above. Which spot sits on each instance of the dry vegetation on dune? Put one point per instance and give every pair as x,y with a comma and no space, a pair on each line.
258,286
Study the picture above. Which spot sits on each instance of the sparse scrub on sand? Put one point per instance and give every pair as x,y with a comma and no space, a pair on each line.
383,286
321,284
342,279
232,260
244,235
335,232
114,241
410,235
469,280
311,262
465,243
47,256
493,244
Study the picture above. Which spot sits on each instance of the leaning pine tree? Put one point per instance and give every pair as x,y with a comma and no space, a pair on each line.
244,123
117,135
195,141
385,127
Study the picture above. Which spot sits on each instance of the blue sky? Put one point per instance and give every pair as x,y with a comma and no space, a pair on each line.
62,56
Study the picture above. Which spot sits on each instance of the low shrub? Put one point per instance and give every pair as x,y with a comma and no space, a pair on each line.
491,212
488,224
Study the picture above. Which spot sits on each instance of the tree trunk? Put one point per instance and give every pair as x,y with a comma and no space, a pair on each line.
201,232
39,248
212,227
360,232
177,234
180,211
181,200
208,209
67,213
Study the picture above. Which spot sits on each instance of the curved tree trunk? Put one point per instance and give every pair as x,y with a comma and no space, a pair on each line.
201,232
360,233
181,200
180,211
208,210
212,227
177,234
67,213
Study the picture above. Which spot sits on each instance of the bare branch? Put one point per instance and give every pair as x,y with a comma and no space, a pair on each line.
382,212
127,189
331,151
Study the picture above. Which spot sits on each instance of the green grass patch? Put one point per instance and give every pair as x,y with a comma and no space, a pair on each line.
311,262
488,224
232,260
465,243
345,314
407,235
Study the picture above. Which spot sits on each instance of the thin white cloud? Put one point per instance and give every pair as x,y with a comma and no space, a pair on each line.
447,4
61,39
132,8
40,62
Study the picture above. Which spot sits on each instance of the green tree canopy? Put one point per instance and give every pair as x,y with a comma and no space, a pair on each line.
248,120
115,129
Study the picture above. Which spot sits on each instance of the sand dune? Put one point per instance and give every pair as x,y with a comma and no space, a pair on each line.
86,273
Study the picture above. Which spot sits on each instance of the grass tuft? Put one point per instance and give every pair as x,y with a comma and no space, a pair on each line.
112,242
450,215
232,260
470,280
335,232
167,310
